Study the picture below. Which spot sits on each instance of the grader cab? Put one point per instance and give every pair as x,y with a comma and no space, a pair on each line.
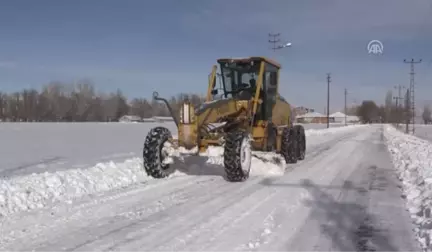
244,113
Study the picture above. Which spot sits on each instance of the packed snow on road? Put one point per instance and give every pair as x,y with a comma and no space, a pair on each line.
346,194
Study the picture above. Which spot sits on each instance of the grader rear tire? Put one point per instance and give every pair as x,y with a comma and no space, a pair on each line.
153,154
301,142
237,156
289,145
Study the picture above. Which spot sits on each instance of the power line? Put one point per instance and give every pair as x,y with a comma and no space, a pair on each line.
274,41
411,88
328,100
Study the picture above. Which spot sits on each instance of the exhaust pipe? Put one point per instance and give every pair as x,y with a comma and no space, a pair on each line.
157,98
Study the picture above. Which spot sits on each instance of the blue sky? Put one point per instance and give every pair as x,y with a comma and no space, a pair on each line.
170,46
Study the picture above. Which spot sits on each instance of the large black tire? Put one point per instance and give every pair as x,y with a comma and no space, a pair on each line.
237,156
301,142
152,153
271,137
289,145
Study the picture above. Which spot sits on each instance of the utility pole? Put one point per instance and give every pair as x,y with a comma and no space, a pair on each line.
346,93
274,41
411,88
399,100
328,100
406,110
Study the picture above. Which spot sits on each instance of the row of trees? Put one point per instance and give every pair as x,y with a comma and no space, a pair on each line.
79,102
390,112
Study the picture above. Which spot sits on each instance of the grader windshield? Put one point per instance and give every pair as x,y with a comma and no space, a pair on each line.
239,78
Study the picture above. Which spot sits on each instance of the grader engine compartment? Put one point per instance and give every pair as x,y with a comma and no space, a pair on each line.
243,112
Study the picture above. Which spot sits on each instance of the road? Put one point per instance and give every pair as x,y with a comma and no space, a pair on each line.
344,196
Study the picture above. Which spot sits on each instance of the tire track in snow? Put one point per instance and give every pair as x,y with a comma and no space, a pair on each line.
340,211
169,191
310,232
161,224
227,218
280,210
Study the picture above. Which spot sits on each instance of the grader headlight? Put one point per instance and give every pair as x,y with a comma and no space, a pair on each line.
187,113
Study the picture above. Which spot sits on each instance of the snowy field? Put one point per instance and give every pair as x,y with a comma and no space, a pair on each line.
88,191
421,131
424,131
38,147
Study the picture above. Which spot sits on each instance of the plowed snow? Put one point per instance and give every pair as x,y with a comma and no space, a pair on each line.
412,158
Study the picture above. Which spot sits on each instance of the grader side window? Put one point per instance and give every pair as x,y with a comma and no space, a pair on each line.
218,88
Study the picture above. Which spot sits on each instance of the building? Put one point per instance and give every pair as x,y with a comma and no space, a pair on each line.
130,118
149,119
339,117
163,119
353,119
312,117
302,110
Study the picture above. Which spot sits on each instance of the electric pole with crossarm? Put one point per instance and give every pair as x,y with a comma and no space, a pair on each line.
411,89
328,100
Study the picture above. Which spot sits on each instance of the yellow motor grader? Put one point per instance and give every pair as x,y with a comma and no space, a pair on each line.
249,115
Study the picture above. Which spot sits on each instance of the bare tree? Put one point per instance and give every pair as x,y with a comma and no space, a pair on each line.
368,112
388,107
140,107
59,101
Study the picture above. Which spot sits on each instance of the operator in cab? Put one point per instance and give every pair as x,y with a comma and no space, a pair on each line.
249,93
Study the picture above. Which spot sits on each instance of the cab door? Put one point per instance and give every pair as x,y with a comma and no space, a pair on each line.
270,91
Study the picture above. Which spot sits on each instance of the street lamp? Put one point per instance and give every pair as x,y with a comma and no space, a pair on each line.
289,44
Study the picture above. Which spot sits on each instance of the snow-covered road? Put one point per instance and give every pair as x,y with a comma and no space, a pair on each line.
344,196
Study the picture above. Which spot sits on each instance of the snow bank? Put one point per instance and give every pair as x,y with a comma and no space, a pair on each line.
39,190
412,158
329,131
42,189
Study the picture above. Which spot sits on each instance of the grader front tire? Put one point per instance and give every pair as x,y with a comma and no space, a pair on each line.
153,153
237,156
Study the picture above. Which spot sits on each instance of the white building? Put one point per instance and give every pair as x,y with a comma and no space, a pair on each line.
339,117
163,118
130,118
311,117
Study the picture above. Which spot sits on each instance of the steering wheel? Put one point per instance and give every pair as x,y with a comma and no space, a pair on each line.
238,90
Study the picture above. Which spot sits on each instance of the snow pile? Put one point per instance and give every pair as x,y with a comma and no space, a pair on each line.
38,190
412,158
267,164
329,131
